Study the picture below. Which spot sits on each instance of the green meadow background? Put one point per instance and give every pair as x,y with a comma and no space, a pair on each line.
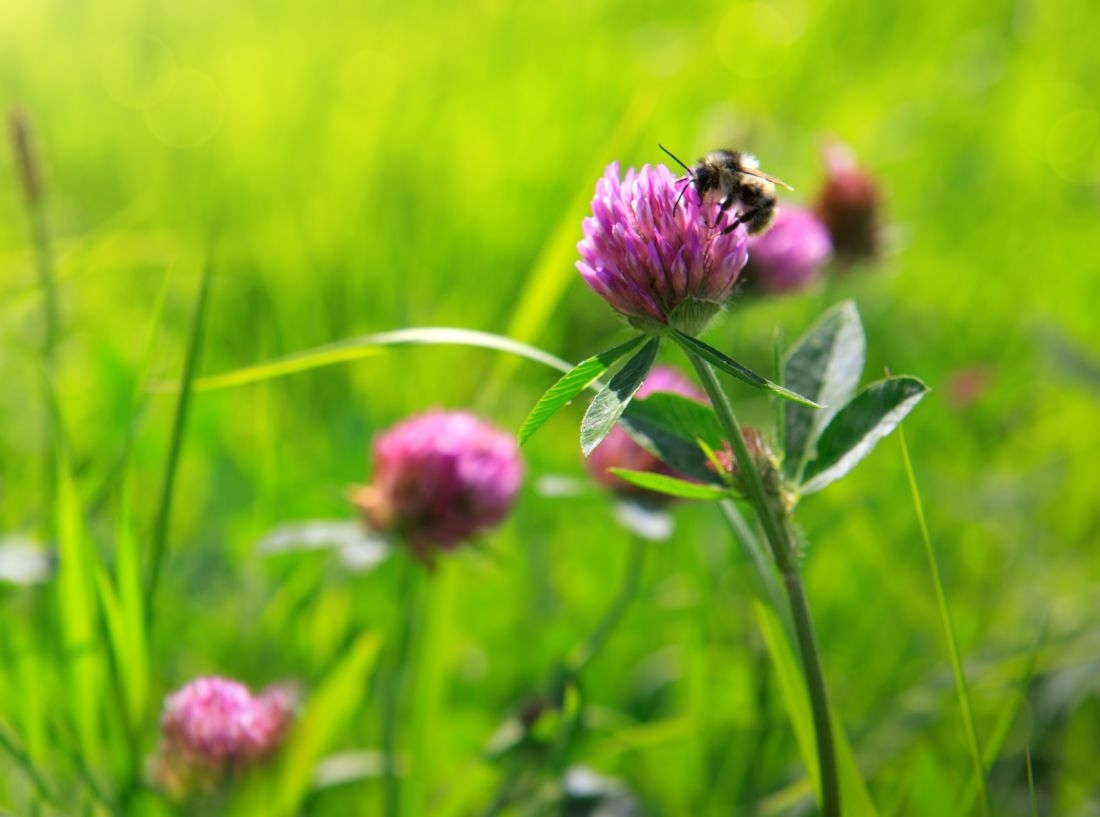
356,167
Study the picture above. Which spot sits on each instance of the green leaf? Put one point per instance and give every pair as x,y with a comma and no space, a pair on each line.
825,364
613,398
329,711
583,375
858,427
79,619
670,427
662,484
732,367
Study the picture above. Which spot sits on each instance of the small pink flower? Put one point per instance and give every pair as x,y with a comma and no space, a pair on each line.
214,726
653,255
849,204
788,257
440,478
618,449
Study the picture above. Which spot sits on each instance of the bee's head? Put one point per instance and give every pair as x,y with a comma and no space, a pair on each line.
706,176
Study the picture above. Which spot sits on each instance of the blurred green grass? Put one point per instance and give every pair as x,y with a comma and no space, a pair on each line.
369,167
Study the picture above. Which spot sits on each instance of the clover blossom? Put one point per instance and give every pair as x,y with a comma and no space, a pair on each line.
849,204
213,727
619,450
790,256
440,478
655,256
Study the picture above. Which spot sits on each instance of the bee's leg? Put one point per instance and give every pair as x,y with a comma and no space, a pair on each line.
744,218
722,208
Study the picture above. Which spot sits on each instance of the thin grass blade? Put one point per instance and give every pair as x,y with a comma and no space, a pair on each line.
327,712
965,708
159,540
79,616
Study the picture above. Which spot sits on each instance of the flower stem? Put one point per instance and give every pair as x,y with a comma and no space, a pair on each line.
391,702
512,787
627,590
780,540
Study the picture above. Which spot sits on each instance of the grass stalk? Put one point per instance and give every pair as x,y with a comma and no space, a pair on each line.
965,708
34,199
159,541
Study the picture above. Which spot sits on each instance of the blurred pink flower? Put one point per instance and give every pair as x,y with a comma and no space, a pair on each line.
788,257
214,726
440,478
849,204
618,449
655,261
967,386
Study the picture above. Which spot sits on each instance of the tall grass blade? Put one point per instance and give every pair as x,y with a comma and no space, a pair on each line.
79,616
949,632
328,711
34,200
159,542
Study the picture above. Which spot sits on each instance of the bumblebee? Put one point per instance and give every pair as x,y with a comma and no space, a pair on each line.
732,177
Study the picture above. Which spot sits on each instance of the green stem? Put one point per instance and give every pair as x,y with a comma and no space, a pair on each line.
582,656
391,703
762,574
587,652
611,617
30,179
783,550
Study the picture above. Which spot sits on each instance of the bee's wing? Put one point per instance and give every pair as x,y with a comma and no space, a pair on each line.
750,171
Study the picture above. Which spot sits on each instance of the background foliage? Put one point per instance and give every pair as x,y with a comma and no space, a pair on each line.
371,166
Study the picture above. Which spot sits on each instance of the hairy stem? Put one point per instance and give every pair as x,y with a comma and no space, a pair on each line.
783,549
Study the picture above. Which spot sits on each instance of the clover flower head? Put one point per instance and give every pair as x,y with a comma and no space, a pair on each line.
440,479
849,204
619,450
655,255
214,726
788,257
